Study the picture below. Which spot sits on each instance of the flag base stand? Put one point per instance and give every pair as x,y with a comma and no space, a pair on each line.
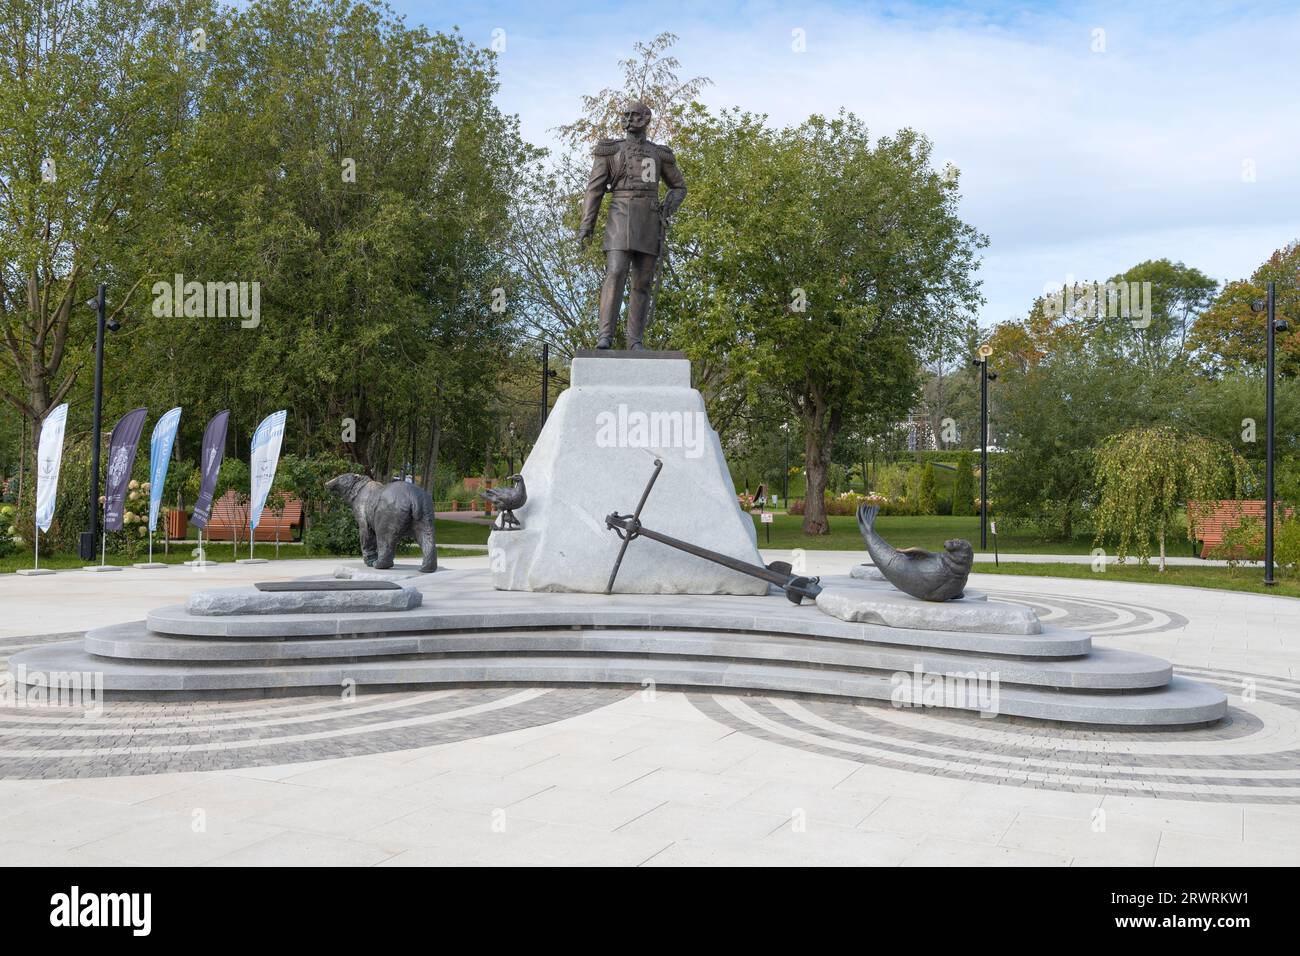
103,556
32,572
149,565
203,563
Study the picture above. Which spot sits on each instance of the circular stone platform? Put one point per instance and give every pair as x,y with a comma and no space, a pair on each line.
465,633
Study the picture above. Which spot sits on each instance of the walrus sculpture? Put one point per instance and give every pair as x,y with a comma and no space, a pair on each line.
387,513
915,571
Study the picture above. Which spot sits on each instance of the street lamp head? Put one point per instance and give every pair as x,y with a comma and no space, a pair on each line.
112,325
1281,325
993,376
1258,305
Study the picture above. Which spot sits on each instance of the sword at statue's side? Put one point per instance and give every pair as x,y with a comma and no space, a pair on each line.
665,225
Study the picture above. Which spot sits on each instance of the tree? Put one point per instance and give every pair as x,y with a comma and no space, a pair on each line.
234,478
1146,476
963,486
649,75
94,98
820,262
1229,337
927,503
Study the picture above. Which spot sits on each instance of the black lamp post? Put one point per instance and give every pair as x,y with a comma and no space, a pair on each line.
548,373
785,473
985,377
86,543
1275,325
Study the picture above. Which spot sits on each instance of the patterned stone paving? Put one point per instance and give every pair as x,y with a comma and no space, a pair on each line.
1252,756
138,737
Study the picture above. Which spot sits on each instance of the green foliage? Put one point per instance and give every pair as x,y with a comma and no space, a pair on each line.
926,501
1243,540
8,515
334,531
963,488
837,479
824,263
1147,476
1286,546
71,503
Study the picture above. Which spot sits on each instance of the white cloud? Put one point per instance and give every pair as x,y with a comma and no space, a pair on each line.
1072,161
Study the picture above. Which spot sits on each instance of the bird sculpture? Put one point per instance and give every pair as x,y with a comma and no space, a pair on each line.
915,571
506,500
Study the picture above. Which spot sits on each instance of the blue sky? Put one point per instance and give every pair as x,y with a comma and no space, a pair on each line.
1171,132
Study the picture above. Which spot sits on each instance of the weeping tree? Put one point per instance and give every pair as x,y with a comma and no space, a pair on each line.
1146,476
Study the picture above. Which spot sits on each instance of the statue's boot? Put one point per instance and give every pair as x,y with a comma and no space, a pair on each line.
604,343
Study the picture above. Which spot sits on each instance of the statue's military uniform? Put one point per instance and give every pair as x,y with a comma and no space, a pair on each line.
630,171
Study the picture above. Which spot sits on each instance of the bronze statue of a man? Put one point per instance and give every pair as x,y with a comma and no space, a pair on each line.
630,170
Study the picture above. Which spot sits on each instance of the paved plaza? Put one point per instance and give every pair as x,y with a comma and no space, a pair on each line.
571,775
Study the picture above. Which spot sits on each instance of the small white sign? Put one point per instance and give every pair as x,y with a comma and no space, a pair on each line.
766,517
993,526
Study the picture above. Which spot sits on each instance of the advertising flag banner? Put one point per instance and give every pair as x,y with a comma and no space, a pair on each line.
122,444
210,455
265,455
160,456
48,458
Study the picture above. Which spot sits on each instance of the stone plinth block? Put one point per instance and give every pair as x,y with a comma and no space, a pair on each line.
866,572
359,571
895,609
593,458
228,601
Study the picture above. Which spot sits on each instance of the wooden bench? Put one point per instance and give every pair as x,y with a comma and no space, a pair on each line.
227,515
1212,520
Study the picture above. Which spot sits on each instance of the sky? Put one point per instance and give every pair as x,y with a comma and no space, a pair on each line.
1089,137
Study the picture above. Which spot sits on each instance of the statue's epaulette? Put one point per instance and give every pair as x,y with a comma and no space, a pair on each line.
606,147
665,154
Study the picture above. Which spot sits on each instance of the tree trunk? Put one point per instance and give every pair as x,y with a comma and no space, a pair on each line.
1162,550
431,464
819,435
22,459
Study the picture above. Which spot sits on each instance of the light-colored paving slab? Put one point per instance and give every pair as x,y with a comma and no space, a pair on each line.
664,778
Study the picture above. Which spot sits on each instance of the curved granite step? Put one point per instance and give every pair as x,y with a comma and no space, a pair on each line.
497,610
1103,668
1181,702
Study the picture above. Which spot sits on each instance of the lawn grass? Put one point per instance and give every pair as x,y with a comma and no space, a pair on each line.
1250,579
218,552
921,531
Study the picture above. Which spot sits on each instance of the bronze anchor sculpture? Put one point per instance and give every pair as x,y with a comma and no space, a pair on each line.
780,573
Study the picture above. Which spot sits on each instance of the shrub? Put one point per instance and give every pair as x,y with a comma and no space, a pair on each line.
926,499
1243,541
1286,546
333,531
837,479
963,489
8,515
